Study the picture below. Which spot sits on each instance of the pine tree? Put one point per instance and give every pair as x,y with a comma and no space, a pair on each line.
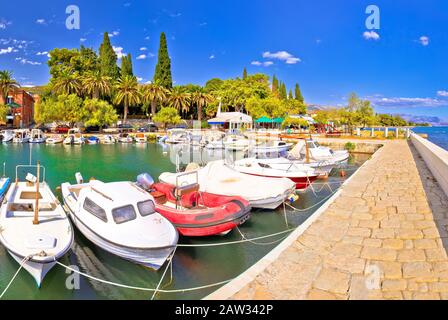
245,74
275,85
299,95
162,74
290,97
126,66
108,59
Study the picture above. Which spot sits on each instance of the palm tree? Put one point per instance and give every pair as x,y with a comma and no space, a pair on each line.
153,94
180,100
67,83
96,85
7,83
127,93
201,99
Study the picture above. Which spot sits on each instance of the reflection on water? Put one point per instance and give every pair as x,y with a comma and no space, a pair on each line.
192,266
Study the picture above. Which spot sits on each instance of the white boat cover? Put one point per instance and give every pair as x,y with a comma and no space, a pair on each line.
218,178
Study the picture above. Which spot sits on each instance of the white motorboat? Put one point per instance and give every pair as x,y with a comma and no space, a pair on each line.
218,178
74,136
276,146
177,136
318,153
34,227
140,138
4,185
55,139
7,136
21,136
108,139
37,136
301,175
125,138
120,218
236,143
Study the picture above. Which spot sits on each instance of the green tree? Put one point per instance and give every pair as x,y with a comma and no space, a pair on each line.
108,59
154,94
127,94
290,95
201,99
4,111
99,113
283,93
66,83
64,108
298,94
244,73
213,84
295,122
179,100
7,83
97,85
275,86
162,74
126,66
167,115
63,61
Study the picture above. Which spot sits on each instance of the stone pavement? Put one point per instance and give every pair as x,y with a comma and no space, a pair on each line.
384,237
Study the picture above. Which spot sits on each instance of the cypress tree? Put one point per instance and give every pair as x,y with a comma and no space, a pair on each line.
299,95
283,92
126,66
162,74
245,74
275,85
108,59
290,95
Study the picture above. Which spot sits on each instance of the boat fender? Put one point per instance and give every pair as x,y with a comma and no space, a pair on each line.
293,198
342,173
145,180
79,178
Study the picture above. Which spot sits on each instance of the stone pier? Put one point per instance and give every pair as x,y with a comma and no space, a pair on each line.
383,237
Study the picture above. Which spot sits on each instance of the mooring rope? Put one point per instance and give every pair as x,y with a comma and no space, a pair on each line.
22,263
170,262
313,206
261,244
142,288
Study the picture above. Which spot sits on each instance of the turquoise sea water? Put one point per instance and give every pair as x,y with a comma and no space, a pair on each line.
437,135
192,267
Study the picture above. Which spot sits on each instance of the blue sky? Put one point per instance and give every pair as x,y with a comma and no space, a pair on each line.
402,67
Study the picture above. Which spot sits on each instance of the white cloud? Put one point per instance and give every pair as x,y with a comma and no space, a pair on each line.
282,55
442,93
139,79
119,52
264,64
127,4
6,51
83,39
212,57
26,61
41,21
424,41
147,38
43,53
4,24
142,57
114,34
405,102
143,49
371,35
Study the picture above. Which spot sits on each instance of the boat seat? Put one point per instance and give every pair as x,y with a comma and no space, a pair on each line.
159,197
181,191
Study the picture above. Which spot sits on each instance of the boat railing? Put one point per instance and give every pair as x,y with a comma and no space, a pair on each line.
186,183
31,167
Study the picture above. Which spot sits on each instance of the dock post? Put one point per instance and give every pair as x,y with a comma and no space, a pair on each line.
386,132
358,132
397,133
373,133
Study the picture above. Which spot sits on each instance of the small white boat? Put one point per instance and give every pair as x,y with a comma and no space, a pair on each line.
55,139
318,153
140,138
34,227
218,178
7,136
236,143
21,136
37,136
125,138
120,218
92,140
177,136
108,139
301,175
74,136
4,185
276,146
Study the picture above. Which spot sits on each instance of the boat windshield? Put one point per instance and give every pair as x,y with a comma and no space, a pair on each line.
146,208
124,214
95,209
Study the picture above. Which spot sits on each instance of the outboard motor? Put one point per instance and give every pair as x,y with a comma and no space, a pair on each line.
79,178
145,181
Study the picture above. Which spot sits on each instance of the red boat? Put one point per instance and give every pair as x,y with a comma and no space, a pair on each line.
198,214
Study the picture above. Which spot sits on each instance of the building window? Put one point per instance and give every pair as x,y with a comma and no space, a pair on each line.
9,100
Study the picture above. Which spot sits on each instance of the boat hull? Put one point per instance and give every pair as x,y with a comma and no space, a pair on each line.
301,182
37,270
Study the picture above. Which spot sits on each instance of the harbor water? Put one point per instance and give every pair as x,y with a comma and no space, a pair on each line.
437,135
191,267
